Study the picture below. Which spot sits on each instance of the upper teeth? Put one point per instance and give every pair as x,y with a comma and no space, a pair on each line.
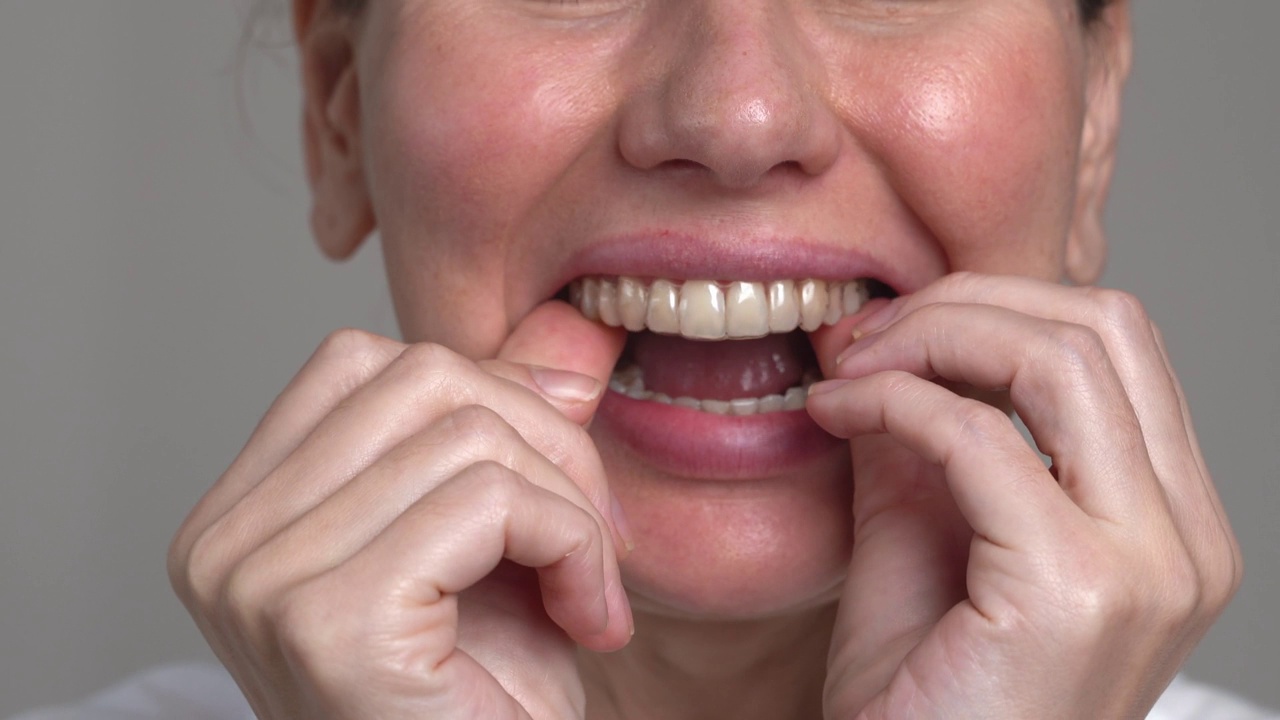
709,310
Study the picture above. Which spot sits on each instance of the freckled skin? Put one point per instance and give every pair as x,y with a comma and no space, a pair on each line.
942,136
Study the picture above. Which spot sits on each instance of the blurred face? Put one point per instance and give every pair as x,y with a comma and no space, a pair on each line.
506,148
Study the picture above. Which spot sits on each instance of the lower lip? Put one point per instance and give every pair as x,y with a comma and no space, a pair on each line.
708,446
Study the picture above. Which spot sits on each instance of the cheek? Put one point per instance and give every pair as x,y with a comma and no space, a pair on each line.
464,147
983,149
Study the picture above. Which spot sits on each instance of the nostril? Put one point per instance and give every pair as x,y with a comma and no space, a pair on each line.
682,165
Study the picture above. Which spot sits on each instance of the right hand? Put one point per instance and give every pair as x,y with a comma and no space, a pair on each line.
378,548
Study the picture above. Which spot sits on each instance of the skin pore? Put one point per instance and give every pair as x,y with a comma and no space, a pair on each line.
932,137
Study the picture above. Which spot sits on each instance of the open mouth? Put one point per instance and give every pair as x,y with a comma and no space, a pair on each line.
727,348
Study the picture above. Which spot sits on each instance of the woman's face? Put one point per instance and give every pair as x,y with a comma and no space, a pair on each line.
506,147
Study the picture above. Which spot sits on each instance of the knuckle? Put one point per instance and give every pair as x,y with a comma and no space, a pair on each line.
1225,573
430,357
569,445
348,358
349,343
304,630
245,591
480,423
482,428
198,567
1183,590
356,354
1079,347
979,423
497,486
293,616
178,562
1119,309
1237,567
1100,598
438,373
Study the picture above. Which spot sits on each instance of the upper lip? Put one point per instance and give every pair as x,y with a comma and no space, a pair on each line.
674,255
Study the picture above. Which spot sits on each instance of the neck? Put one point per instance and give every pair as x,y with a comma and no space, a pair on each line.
689,670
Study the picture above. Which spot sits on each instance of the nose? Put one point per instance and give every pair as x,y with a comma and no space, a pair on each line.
736,89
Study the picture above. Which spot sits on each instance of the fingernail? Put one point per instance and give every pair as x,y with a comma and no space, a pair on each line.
861,341
620,522
566,384
826,386
876,320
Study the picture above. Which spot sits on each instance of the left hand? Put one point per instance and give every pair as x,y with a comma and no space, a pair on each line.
983,584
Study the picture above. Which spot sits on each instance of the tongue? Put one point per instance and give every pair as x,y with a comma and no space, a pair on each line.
722,370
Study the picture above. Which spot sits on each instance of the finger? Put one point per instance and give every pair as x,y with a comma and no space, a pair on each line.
424,383
910,552
360,510
346,360
1140,359
1060,380
999,484
432,552
1212,539
1131,343
552,347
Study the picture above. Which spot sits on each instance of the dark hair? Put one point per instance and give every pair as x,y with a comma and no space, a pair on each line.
1090,10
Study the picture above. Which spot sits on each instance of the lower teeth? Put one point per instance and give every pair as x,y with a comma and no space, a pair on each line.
630,382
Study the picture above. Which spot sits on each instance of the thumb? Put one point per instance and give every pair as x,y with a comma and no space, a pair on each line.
910,551
562,356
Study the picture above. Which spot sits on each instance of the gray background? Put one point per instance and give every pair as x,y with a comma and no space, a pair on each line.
158,288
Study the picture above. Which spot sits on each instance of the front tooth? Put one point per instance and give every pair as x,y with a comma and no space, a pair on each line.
664,303
746,311
702,310
835,303
784,307
744,406
608,304
719,407
590,298
813,304
772,403
633,303
707,310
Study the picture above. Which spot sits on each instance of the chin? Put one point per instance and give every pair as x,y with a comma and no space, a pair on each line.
710,549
